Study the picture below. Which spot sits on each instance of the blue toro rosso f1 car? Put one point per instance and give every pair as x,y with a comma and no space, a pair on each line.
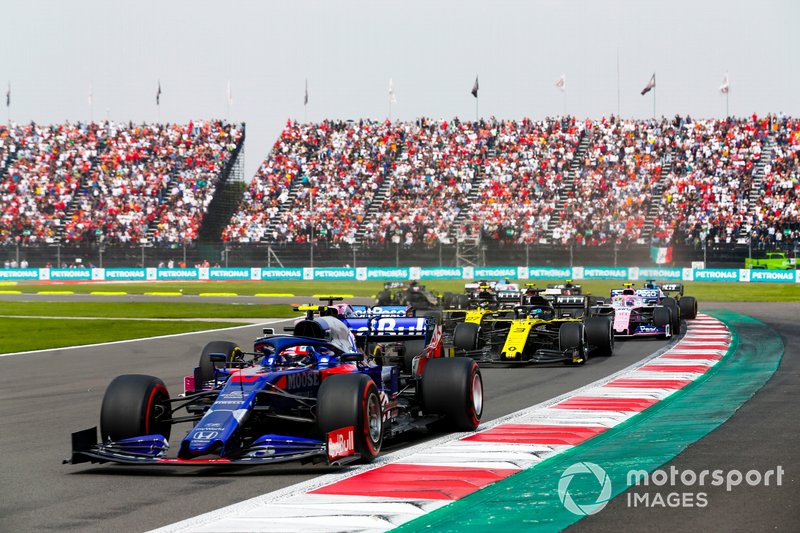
326,392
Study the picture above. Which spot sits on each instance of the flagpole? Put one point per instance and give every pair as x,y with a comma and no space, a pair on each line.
565,102
476,109
654,102
727,97
618,108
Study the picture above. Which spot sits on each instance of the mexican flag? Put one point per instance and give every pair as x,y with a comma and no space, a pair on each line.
661,255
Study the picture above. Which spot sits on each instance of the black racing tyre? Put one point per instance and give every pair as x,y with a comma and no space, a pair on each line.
662,316
462,301
135,405
600,334
383,298
572,335
465,336
672,305
352,400
447,300
411,349
688,307
453,387
230,349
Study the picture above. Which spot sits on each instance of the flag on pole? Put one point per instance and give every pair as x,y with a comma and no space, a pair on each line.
8,95
725,87
661,255
561,82
305,98
230,94
650,85
158,93
392,97
475,88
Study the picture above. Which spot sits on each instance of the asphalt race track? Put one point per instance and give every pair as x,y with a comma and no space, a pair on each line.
46,396
762,435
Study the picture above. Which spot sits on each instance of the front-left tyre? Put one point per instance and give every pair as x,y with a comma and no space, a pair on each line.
135,405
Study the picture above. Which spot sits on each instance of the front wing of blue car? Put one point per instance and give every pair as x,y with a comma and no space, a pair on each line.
152,450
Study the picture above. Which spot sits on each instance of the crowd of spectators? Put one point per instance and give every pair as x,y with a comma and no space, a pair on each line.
523,175
43,170
433,179
706,194
318,183
122,178
504,179
613,186
776,220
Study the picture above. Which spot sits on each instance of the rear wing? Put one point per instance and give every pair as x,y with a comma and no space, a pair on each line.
573,306
364,311
676,288
384,328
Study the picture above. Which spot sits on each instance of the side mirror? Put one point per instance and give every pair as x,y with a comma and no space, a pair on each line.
218,358
352,357
268,331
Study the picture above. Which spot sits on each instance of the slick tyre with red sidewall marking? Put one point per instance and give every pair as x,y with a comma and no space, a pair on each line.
352,400
135,405
453,387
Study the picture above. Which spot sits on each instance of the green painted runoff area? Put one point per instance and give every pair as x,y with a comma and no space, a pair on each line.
529,500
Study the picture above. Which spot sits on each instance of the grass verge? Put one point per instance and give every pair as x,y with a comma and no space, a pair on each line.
25,334
703,291
144,310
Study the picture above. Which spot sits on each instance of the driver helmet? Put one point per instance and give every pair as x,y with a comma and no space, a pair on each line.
299,355
542,313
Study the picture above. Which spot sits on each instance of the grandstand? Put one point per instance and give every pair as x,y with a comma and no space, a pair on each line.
356,189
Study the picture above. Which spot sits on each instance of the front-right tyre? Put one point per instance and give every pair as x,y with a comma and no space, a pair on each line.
352,400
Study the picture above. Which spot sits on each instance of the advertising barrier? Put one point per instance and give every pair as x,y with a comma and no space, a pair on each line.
282,274
399,274
19,274
718,274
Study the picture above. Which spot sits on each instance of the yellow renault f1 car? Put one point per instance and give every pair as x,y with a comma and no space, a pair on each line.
478,312
540,331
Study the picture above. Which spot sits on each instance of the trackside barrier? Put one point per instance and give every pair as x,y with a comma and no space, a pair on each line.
400,273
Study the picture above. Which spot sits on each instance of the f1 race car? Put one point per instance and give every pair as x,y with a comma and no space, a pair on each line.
538,332
411,293
566,289
311,396
687,305
637,313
